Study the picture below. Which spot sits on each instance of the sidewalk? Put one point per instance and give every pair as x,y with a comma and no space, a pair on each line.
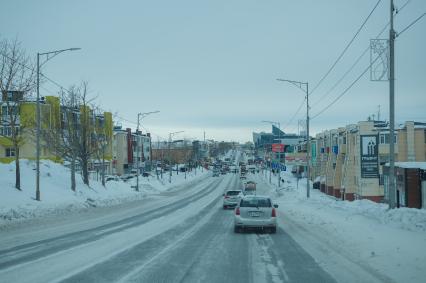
349,238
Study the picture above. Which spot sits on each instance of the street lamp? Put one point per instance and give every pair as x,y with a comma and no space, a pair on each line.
279,153
49,55
170,161
140,117
300,86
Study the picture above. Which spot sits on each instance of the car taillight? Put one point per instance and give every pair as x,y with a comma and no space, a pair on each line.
226,197
237,211
274,214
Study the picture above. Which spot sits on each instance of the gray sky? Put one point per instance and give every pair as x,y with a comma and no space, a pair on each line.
212,65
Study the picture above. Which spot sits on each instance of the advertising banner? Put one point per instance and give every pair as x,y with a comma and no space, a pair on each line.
369,156
277,147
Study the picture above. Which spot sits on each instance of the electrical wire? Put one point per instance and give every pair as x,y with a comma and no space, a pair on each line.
349,70
411,24
345,49
358,59
295,114
346,90
66,90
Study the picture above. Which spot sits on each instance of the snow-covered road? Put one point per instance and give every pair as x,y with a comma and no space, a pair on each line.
178,236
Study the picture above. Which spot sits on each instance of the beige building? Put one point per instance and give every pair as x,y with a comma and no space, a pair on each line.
349,161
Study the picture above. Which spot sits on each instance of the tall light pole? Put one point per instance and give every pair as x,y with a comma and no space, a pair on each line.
140,117
392,189
279,153
49,55
308,146
170,160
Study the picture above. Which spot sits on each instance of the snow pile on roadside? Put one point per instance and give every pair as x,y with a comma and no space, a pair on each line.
405,218
359,241
57,197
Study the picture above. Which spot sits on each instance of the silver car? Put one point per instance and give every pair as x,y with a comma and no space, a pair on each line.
255,212
231,198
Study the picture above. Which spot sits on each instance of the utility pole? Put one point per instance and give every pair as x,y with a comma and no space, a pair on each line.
138,137
392,189
138,144
306,91
170,160
49,55
38,131
308,144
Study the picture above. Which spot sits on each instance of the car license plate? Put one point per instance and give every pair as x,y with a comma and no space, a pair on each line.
254,213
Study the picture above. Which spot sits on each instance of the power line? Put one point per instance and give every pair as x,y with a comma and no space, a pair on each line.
349,70
412,23
345,49
66,90
347,89
357,60
295,114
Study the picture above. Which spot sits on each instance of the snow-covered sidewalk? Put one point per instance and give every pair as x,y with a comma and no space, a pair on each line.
359,241
57,197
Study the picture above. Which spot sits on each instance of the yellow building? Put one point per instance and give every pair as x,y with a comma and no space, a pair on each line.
51,118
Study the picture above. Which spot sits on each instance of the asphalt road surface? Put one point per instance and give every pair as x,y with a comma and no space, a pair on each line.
182,235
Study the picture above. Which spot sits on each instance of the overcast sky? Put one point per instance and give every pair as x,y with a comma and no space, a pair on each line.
212,65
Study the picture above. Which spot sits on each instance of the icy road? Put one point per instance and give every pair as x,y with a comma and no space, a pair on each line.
182,235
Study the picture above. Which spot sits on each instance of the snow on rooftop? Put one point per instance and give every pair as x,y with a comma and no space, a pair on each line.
412,164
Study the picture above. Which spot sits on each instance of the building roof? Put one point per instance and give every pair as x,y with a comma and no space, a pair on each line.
412,165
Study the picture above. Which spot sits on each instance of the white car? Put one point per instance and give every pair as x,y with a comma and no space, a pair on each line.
231,198
255,212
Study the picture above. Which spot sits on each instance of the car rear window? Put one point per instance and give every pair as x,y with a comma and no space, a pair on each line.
255,202
232,193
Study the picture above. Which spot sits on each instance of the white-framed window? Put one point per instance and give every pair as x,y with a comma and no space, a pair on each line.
10,152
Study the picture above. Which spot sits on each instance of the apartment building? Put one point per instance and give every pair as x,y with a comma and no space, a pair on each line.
23,118
131,151
54,119
349,161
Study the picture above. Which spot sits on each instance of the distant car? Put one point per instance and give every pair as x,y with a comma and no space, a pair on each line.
111,178
255,212
231,198
127,177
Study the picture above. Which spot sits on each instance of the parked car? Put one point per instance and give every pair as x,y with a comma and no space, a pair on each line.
231,198
111,178
127,177
255,212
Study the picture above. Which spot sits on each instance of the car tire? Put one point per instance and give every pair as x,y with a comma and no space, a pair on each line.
273,230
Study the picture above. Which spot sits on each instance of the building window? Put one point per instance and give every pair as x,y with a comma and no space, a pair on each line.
384,138
10,152
7,131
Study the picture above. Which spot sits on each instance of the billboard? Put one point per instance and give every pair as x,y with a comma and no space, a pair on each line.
277,147
369,156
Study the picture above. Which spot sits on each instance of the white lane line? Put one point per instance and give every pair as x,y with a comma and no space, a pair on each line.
64,264
171,246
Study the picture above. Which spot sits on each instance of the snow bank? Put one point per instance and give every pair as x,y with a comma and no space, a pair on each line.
57,197
359,241
405,218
